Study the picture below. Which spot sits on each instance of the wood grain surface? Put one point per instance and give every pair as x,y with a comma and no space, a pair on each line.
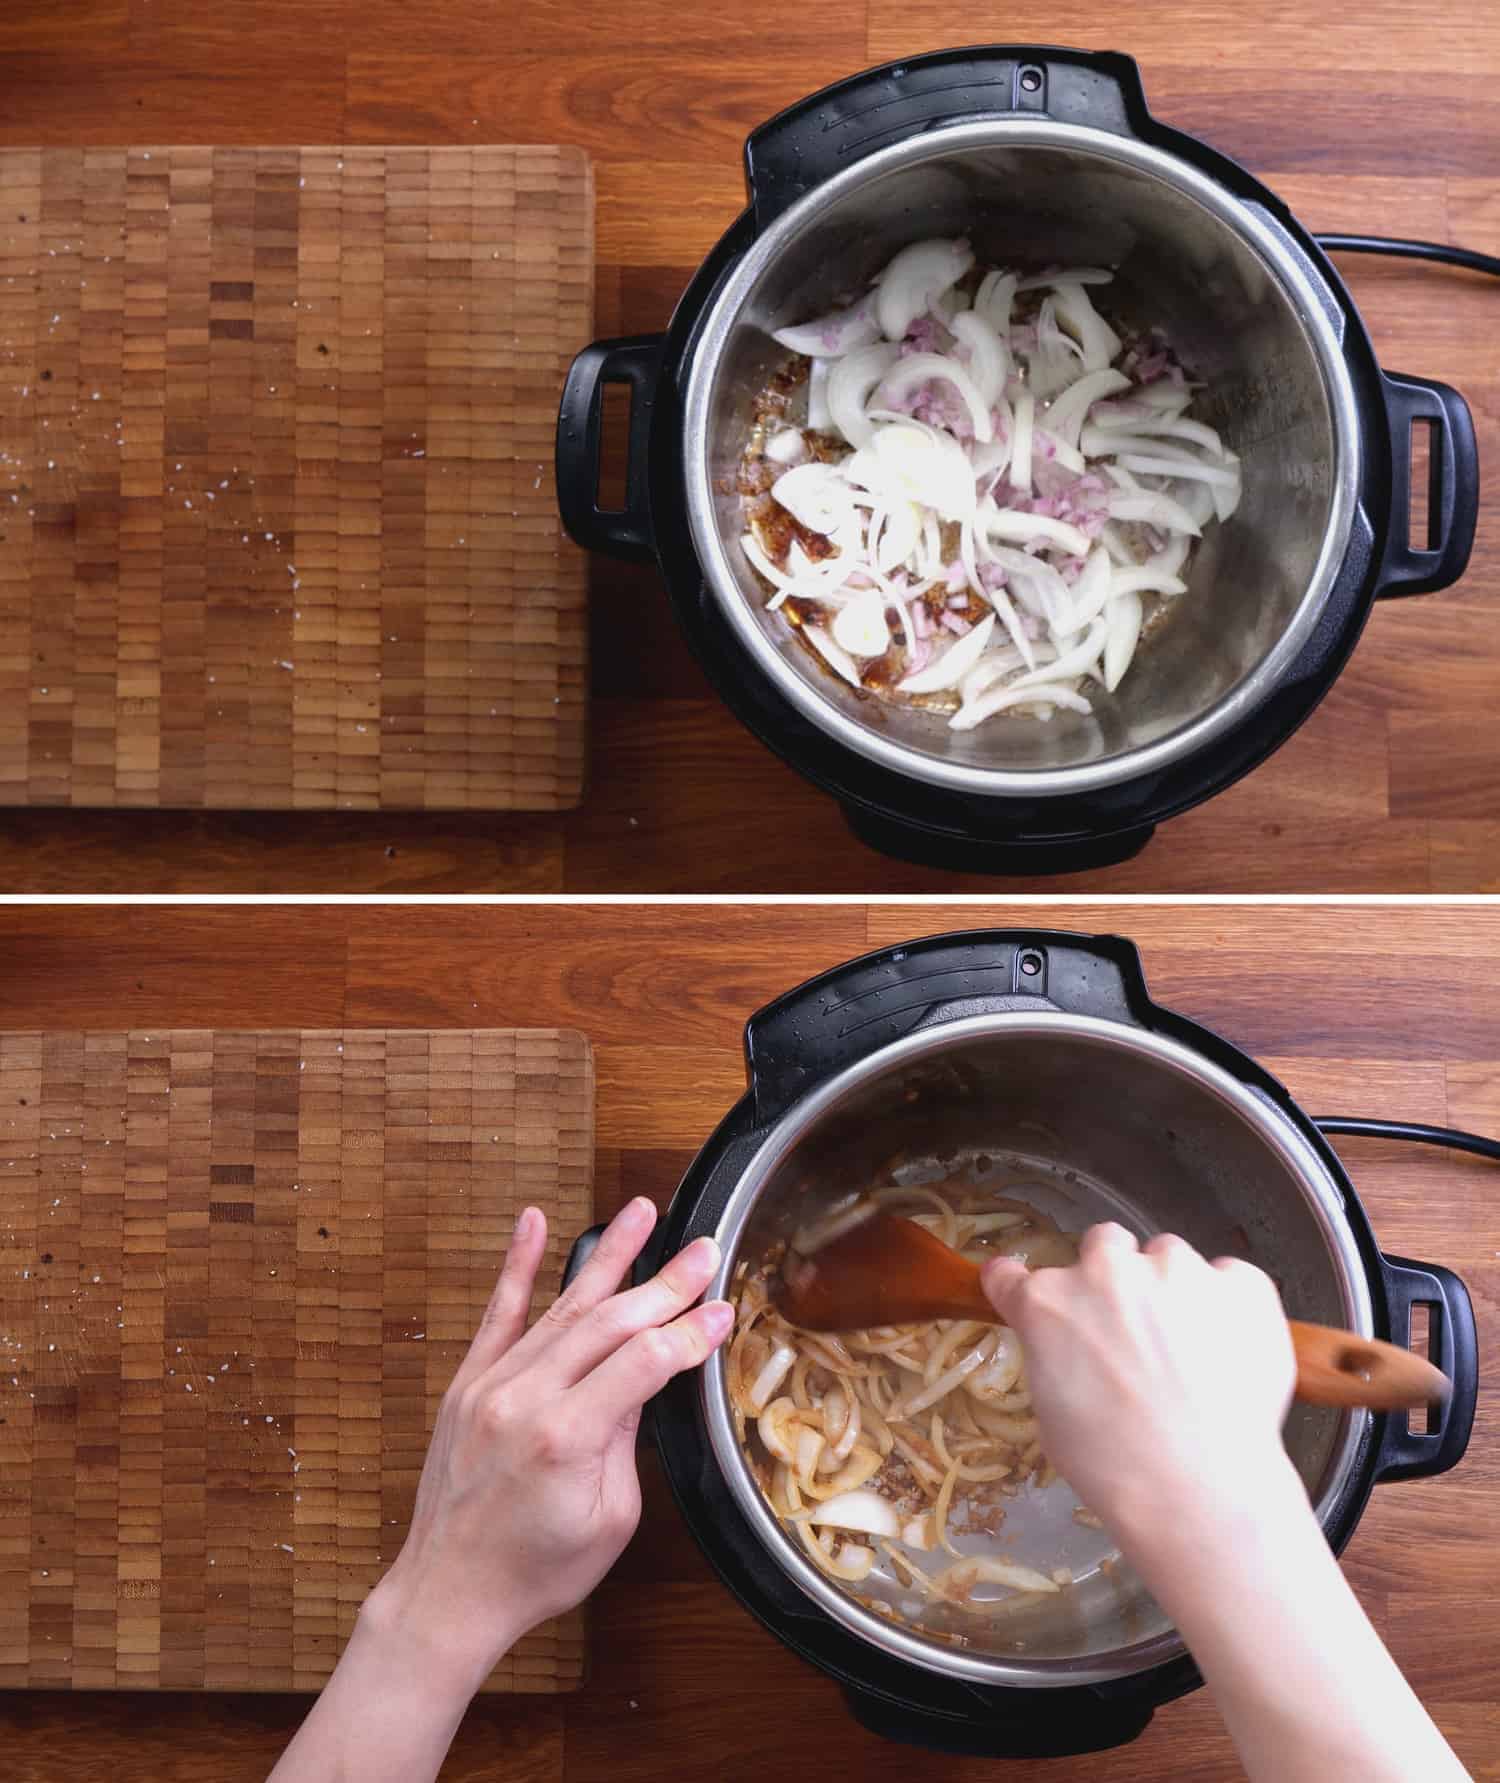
1381,117
237,1272
1377,1011
276,517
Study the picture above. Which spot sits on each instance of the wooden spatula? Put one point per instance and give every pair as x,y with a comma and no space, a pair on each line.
890,1271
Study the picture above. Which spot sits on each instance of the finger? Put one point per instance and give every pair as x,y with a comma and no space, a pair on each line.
1003,1281
596,1336
622,1383
1106,1240
1238,1269
1168,1248
505,1317
619,1245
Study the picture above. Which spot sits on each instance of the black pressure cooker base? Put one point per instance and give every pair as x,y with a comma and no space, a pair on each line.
1068,1735
959,852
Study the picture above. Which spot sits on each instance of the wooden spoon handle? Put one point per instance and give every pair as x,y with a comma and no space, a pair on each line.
1338,1368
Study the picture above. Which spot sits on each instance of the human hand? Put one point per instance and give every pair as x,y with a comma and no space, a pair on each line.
1160,1380
529,1491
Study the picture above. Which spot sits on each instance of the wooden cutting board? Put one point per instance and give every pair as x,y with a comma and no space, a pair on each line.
237,1271
277,522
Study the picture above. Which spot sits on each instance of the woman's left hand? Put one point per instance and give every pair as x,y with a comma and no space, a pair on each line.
529,1491
528,1494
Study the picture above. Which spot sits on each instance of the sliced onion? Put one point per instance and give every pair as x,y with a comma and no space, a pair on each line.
807,1451
1049,694
813,587
860,626
944,1384
915,279
961,1578
1092,590
1124,635
1020,528
1077,314
836,657
987,671
1155,509
776,1429
849,1561
1227,497
994,298
1154,465
916,1532
1075,275
849,385
927,467
882,505
861,1510
955,662
900,536
815,495
835,334
989,359
1073,663
819,415
1051,450
777,1367
1000,1373
1065,416
1020,446
925,368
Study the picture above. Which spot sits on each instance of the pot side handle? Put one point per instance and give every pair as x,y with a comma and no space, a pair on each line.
584,1246
1453,1344
633,360
822,135
1452,486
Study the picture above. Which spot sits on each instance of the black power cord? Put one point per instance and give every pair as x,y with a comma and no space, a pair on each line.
1411,250
1417,1131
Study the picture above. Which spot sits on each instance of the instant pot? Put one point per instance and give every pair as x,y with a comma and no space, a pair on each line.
1039,156
1045,1047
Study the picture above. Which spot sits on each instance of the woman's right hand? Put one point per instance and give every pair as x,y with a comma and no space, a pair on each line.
1160,1380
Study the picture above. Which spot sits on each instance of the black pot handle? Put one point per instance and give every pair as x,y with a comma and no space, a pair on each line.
1453,1345
1452,487
820,136
623,532
1062,1732
584,1246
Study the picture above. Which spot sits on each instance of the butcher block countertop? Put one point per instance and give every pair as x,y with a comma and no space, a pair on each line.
1382,1012
1381,117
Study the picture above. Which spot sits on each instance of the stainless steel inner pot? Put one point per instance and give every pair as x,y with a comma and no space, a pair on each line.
1246,312
1114,1122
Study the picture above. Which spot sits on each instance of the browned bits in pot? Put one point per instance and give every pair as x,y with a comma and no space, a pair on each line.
755,476
775,399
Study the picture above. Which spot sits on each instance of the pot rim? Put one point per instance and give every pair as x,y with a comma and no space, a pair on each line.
1291,272
1291,1147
